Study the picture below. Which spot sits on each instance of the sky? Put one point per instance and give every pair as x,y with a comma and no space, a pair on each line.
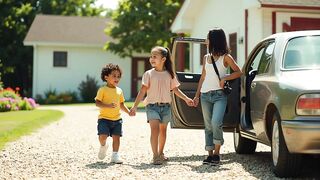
112,4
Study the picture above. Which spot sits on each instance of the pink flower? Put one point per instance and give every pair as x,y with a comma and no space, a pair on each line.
32,102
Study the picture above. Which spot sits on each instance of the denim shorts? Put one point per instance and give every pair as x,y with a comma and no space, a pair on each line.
159,112
109,127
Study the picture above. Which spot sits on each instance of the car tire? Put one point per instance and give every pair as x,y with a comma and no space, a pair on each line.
243,145
285,164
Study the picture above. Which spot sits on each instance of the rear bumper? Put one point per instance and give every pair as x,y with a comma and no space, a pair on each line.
302,136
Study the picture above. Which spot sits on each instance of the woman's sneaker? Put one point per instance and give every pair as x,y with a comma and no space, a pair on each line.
208,160
215,160
115,158
102,152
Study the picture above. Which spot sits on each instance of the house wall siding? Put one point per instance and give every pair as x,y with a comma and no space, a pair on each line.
230,15
255,27
226,14
82,61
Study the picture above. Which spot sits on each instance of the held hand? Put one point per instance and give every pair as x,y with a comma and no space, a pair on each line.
132,111
195,101
189,102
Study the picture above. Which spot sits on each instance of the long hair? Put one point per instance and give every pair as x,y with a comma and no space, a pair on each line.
165,52
218,42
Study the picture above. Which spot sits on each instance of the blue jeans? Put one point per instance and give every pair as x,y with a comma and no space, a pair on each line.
213,104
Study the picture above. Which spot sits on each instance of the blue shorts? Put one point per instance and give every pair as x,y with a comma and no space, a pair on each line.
159,112
109,128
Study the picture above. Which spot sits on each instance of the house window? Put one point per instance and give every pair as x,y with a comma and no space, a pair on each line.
60,59
203,51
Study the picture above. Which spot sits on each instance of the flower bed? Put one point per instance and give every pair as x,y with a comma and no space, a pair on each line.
10,100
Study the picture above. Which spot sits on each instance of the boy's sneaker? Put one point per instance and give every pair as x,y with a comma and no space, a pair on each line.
102,152
208,160
215,160
115,158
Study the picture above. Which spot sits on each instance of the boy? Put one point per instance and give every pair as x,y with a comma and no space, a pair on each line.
110,100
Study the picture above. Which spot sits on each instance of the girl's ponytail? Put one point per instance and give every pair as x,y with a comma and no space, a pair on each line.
168,63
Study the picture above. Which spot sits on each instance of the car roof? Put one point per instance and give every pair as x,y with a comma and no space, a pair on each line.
292,34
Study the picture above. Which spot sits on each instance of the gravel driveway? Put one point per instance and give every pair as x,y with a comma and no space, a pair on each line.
67,149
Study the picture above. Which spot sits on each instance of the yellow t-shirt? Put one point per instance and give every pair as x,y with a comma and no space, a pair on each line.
109,95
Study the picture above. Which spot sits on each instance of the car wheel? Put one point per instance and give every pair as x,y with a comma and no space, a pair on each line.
243,145
285,164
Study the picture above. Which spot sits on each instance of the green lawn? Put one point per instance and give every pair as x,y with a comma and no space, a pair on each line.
130,104
15,124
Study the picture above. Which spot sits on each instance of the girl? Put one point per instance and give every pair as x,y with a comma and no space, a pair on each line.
157,83
213,99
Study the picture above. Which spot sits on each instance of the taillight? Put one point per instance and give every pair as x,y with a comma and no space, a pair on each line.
308,104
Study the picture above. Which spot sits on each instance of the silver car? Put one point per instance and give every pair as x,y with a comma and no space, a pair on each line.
276,102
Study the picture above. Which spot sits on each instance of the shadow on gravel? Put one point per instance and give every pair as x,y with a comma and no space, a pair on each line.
99,165
257,164
144,166
105,165
260,163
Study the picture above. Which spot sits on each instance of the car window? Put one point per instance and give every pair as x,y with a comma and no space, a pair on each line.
266,59
256,60
302,52
187,54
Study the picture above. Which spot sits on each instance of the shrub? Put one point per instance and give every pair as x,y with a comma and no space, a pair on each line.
50,92
52,97
88,89
27,104
9,93
39,99
11,101
67,97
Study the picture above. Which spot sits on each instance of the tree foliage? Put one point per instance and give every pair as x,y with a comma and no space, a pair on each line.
16,17
141,24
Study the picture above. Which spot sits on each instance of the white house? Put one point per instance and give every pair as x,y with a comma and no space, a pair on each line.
67,48
245,22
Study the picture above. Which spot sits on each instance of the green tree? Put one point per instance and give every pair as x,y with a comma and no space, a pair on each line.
141,24
16,17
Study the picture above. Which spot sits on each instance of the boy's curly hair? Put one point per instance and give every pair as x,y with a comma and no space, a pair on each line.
107,69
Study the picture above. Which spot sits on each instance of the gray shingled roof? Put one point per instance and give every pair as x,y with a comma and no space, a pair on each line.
68,30
312,3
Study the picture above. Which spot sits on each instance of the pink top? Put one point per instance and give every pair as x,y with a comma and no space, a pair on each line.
159,84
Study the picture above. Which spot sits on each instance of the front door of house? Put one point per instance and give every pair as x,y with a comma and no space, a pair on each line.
139,66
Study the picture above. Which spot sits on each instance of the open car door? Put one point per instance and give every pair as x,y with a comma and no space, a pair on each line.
187,54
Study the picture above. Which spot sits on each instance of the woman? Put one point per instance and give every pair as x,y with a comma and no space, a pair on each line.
213,99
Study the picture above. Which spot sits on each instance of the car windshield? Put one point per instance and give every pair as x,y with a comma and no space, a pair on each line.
302,53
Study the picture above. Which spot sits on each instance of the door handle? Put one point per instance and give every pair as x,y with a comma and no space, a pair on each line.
188,76
253,85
